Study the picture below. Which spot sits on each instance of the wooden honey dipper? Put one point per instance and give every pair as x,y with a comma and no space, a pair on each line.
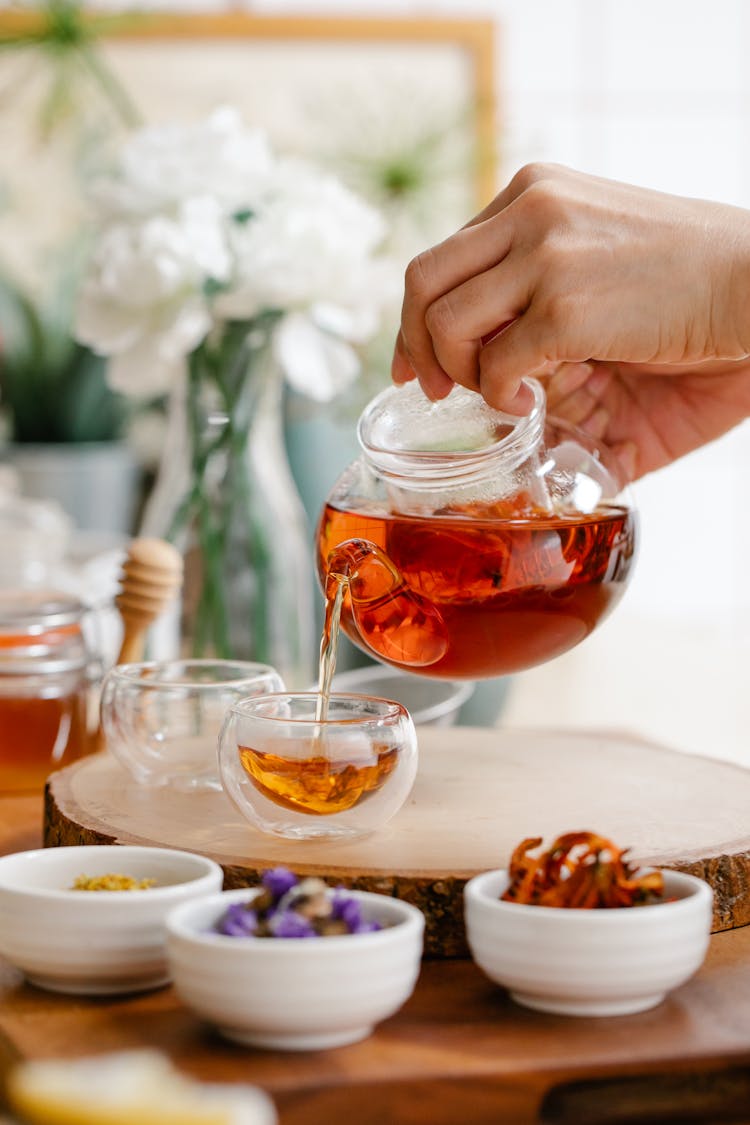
151,578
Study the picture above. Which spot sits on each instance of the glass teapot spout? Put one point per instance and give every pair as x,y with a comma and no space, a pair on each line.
394,621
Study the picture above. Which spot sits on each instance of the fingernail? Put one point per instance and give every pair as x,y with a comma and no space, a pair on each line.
401,370
437,387
522,401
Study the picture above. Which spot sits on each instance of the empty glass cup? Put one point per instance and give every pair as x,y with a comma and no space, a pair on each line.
161,720
294,775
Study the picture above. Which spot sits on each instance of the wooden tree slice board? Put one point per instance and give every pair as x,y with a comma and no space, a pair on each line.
478,792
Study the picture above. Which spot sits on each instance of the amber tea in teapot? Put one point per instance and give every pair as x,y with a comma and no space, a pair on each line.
472,543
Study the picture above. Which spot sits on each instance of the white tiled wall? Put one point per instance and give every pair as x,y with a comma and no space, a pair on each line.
656,92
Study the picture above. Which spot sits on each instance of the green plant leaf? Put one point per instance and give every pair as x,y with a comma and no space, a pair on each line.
91,411
51,387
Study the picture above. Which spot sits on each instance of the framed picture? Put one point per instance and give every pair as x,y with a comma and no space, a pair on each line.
402,109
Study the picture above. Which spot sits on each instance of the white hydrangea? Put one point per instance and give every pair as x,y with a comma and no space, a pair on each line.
201,224
163,165
311,240
142,302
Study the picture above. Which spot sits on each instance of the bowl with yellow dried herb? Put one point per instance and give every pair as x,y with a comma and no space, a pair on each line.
91,919
580,930
295,964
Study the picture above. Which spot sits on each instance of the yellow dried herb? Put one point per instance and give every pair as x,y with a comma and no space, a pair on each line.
111,882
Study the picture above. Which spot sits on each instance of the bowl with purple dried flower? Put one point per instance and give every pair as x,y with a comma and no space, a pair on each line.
295,964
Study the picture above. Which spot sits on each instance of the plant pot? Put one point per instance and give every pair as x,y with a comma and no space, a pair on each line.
96,483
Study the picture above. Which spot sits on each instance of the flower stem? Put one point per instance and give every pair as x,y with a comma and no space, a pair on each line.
244,381
232,377
212,616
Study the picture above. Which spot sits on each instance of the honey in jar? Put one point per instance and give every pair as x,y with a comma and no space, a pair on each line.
43,687
472,543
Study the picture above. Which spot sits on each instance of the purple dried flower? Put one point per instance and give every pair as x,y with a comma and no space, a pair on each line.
289,924
288,907
349,910
240,920
278,881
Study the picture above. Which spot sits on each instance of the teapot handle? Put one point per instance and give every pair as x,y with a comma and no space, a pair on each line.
394,621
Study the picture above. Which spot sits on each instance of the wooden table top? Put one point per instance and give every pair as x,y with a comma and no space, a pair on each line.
459,1050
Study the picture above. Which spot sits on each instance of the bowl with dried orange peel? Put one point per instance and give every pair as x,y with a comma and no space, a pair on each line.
578,929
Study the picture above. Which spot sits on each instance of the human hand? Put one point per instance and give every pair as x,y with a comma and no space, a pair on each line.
638,286
649,415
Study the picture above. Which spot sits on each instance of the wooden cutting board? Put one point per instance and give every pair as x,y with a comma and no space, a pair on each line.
478,792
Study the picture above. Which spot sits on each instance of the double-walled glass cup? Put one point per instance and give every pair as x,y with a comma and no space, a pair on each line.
162,720
292,773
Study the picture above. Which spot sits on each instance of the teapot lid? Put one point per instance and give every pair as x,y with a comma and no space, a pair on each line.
448,438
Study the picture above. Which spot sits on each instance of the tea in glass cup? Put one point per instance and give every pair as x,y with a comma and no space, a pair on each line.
294,772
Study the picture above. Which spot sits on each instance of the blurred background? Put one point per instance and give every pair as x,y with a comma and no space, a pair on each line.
426,119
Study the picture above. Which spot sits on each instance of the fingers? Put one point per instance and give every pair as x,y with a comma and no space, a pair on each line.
580,394
472,315
585,394
627,455
434,382
523,349
401,370
523,179
565,381
459,292
429,277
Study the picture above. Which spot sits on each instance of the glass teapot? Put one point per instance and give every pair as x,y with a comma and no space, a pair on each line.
472,543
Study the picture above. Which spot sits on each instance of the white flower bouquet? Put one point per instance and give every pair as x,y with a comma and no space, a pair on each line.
200,226
218,267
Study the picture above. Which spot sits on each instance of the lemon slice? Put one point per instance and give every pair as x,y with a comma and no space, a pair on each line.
128,1087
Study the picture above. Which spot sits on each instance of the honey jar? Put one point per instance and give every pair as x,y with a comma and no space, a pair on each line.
44,674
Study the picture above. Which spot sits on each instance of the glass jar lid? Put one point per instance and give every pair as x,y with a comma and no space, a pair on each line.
38,610
40,631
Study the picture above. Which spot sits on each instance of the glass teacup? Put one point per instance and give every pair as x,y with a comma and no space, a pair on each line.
294,774
162,720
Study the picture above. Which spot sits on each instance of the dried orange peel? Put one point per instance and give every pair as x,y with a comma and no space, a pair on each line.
581,870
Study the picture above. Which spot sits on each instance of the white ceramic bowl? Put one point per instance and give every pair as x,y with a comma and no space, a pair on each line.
430,702
588,962
295,994
95,942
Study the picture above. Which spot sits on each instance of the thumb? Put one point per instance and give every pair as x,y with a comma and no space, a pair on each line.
506,360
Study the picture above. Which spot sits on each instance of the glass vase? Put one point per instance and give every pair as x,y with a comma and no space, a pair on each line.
226,497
